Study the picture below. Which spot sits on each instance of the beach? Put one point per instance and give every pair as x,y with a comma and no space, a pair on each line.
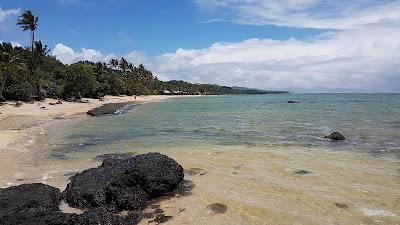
263,159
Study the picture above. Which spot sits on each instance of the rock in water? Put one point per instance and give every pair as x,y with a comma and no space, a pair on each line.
125,184
217,208
336,136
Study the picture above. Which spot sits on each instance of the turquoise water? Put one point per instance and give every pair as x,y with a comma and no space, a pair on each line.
248,149
370,122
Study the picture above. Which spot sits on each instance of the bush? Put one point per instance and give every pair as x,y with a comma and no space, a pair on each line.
21,91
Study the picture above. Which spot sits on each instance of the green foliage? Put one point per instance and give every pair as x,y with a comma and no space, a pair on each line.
80,82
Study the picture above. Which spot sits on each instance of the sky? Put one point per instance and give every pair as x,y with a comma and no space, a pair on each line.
293,45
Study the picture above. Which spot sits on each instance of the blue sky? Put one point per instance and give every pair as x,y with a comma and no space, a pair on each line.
153,26
296,45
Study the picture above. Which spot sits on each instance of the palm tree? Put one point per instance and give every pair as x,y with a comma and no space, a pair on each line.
113,63
40,52
123,64
7,59
27,21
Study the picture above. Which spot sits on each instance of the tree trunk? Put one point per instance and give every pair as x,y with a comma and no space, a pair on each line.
33,42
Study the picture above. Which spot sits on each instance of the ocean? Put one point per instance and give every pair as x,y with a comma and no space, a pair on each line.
249,149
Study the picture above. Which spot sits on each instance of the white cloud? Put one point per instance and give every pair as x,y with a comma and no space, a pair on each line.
327,14
363,59
8,12
13,43
67,55
137,57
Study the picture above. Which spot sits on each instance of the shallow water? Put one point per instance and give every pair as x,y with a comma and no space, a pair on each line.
249,148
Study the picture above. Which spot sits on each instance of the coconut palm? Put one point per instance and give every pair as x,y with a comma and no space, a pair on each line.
7,59
40,52
123,64
27,21
113,63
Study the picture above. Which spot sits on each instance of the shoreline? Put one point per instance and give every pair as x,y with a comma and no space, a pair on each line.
20,127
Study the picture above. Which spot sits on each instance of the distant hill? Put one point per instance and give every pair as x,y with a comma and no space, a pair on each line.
245,90
186,88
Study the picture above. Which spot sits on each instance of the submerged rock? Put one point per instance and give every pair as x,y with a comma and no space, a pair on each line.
124,184
110,108
217,208
302,172
195,171
336,136
291,102
341,205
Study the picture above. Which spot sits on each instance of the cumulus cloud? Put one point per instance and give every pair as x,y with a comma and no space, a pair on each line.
8,12
67,55
362,59
320,14
13,43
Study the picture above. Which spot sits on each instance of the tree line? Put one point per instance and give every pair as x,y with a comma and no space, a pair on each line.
32,74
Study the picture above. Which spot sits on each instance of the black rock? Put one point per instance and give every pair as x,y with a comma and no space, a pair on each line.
110,108
23,204
336,136
114,156
293,102
31,197
157,174
116,185
124,184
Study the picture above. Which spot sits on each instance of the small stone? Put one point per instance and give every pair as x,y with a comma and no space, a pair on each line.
291,102
217,208
302,172
341,205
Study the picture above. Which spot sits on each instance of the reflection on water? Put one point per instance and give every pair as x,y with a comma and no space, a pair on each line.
250,150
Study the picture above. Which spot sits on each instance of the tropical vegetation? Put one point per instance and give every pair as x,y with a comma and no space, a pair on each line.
32,74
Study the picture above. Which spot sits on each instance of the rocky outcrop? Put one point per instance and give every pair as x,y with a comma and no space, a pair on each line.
124,184
117,185
110,108
336,136
29,199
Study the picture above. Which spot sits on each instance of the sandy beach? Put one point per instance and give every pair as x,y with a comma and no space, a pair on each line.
19,127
